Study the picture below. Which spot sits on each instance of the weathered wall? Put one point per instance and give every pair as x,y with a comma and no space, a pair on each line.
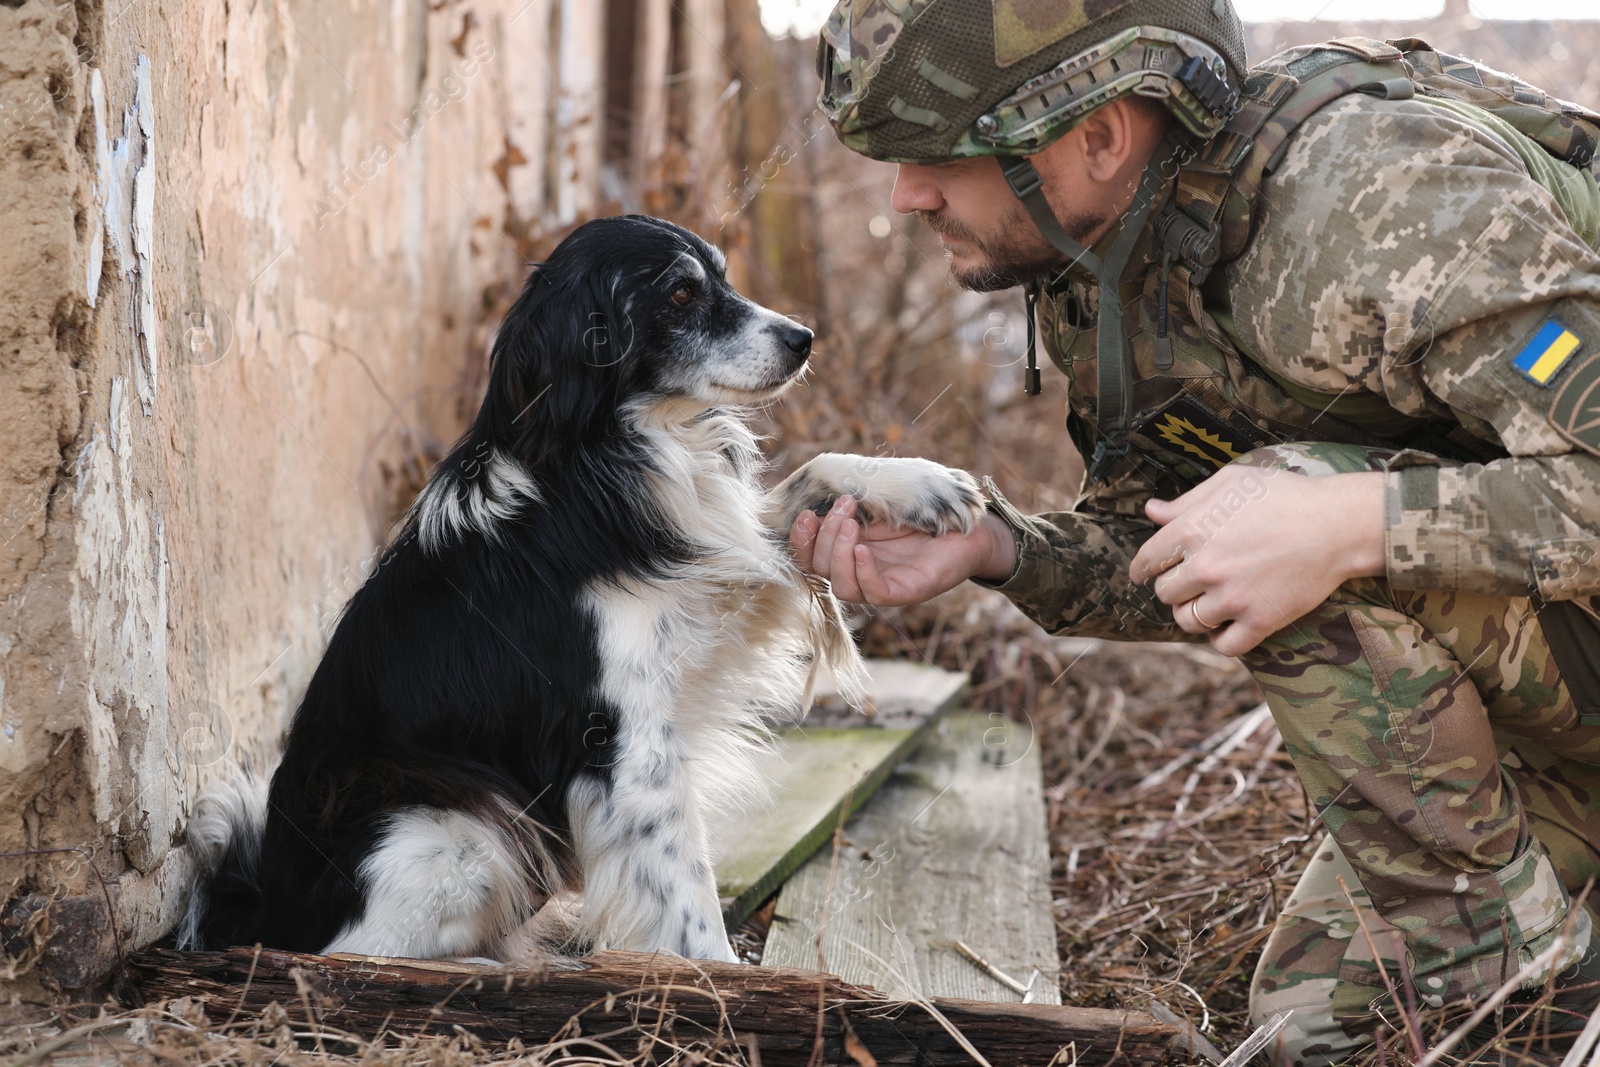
252,251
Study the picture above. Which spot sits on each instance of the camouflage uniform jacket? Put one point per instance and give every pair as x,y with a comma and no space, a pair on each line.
1404,259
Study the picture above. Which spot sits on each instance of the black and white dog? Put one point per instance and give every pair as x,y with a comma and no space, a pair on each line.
572,647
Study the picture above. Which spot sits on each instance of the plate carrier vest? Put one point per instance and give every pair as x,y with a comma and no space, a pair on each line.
1199,399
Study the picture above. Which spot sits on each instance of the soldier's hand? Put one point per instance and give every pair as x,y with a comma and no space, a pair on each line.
880,564
1249,551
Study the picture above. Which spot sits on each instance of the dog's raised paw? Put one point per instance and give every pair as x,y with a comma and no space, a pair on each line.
908,493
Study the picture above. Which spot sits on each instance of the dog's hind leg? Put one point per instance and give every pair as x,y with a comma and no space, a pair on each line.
439,883
549,937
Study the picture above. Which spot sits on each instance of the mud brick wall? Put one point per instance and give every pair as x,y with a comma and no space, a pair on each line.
252,254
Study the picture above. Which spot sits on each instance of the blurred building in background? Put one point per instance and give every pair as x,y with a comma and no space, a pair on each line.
1561,56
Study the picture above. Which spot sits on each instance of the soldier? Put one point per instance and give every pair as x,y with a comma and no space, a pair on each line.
1329,330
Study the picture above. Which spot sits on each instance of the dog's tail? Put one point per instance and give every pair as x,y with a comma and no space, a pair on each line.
224,837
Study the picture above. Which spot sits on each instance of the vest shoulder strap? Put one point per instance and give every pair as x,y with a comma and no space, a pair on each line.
1569,132
1217,191
1209,221
1373,414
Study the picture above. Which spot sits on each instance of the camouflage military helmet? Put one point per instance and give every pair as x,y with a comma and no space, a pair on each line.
923,81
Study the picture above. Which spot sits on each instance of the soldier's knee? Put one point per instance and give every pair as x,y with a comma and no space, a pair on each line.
1325,636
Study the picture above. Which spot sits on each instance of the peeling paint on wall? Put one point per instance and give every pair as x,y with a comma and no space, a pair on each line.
146,366
102,182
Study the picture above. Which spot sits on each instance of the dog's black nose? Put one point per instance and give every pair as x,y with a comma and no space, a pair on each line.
796,339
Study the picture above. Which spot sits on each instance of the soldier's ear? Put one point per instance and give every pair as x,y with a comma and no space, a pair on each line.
1109,138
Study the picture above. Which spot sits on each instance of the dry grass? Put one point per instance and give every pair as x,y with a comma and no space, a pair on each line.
184,1032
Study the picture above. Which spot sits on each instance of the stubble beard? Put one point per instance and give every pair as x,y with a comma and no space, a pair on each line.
1015,255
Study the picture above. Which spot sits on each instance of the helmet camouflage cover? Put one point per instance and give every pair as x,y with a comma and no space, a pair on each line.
924,81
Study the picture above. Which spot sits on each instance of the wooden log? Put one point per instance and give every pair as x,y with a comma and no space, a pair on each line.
626,995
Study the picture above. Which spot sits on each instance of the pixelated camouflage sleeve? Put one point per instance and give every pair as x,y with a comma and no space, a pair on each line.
1404,251
1071,575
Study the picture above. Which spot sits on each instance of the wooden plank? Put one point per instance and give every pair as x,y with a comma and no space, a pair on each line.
899,693
812,771
837,754
623,999
953,847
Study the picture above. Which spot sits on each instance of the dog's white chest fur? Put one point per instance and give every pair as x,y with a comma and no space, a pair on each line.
693,662
725,631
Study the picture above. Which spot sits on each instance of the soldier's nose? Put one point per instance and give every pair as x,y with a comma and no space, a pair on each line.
915,190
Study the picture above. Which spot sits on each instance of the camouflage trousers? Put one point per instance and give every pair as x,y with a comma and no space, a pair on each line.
1459,784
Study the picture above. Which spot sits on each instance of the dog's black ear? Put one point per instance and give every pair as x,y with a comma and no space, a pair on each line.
558,371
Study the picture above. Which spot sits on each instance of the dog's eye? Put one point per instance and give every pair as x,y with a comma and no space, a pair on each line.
682,296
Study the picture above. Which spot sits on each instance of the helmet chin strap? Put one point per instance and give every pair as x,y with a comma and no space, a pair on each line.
1113,360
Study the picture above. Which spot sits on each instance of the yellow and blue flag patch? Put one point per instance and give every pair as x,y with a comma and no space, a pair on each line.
1549,351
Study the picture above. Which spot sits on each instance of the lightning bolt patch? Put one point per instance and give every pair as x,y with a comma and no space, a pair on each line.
1187,429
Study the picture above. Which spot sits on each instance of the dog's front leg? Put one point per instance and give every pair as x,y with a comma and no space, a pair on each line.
641,842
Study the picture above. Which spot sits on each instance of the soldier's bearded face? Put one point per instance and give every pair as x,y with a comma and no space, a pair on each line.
989,240
1014,253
